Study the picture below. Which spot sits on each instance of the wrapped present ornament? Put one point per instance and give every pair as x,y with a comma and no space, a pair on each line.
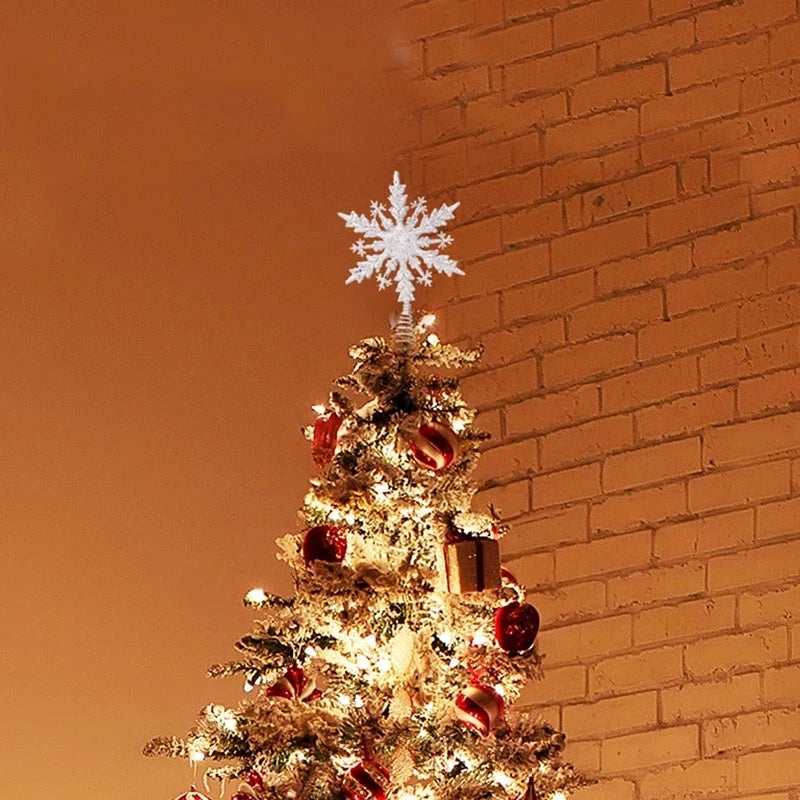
472,564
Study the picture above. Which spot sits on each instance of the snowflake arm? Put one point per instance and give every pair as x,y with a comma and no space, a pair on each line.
402,246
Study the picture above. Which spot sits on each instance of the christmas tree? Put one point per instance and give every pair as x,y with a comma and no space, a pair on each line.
391,671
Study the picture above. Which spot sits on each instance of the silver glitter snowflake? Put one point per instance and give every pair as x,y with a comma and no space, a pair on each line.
401,246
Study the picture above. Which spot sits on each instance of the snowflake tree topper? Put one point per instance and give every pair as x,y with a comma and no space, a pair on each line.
401,246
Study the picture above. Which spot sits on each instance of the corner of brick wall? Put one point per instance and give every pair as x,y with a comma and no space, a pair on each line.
629,180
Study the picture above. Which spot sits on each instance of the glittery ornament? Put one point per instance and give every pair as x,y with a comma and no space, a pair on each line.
515,626
324,543
367,780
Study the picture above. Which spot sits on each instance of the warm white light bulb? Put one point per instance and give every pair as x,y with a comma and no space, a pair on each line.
433,339
558,796
319,409
255,596
196,756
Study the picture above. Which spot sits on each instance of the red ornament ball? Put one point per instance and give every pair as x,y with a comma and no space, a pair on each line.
324,543
479,707
326,430
248,795
192,794
515,626
254,779
367,780
294,685
434,446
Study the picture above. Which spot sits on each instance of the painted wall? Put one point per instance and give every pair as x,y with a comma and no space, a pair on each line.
629,179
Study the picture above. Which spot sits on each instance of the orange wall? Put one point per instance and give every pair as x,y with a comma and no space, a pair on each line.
628,173
172,302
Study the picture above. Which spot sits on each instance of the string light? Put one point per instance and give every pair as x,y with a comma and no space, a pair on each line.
256,596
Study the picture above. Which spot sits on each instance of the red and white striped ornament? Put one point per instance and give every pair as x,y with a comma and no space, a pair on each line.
294,685
326,430
367,780
192,794
434,446
479,706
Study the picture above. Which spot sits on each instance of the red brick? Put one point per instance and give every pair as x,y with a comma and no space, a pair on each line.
782,685
493,114
449,52
662,746
441,123
539,222
486,159
666,8
714,288
435,17
615,314
778,390
750,440
452,87
686,415
751,356
603,555
640,671
767,88
649,384
740,486
692,331
737,733
489,421
631,194
783,272
745,17
689,619
546,529
747,239
598,132
512,343
565,175
644,507
547,298
469,316
477,239
705,535
725,167
550,72
619,89
519,265
553,410
771,770
785,43
687,108
779,519
656,585
777,606
765,202
776,165
598,20
735,652
513,42
651,464
521,9
599,244
594,357
583,640
645,269
612,715
702,700
775,311
699,213
500,194
512,380
766,564
586,441
630,48
718,62
573,212
609,789
567,485
694,176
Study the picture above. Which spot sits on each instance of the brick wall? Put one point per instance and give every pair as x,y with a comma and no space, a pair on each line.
629,178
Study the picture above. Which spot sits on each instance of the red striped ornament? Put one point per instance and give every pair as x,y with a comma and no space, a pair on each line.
479,706
192,794
294,685
434,446
367,780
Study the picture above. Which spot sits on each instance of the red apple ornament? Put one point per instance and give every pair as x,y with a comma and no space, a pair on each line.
515,626
324,543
